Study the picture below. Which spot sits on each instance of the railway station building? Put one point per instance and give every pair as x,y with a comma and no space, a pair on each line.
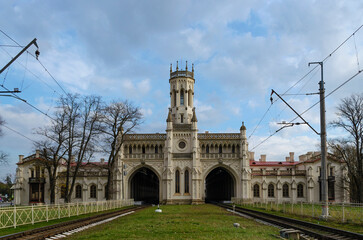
184,166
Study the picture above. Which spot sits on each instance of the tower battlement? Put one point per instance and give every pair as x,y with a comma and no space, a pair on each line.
180,72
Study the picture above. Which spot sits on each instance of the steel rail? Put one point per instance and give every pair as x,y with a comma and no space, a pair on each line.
311,229
54,229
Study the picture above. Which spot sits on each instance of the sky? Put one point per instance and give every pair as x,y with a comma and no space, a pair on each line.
240,50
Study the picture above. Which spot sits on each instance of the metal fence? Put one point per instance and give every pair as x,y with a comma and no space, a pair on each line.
15,216
338,212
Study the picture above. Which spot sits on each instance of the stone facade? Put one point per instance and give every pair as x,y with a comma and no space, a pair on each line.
183,166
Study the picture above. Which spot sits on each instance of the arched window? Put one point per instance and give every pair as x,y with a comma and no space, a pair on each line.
271,190
256,190
285,190
186,181
78,191
143,149
130,149
63,191
300,190
106,191
156,149
174,98
161,149
220,149
207,149
182,97
177,181
93,191
233,149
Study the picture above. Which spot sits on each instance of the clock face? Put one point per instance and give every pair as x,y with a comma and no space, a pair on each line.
182,144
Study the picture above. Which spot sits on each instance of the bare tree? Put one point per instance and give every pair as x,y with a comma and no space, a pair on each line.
70,139
119,119
53,147
350,149
83,130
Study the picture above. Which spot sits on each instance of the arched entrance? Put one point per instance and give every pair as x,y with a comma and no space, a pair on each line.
145,186
219,185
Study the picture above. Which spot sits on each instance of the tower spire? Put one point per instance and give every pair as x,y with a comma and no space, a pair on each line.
171,67
177,68
186,66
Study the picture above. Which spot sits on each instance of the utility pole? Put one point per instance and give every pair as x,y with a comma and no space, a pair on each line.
323,169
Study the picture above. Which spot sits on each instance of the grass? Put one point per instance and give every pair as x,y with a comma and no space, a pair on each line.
22,228
180,222
334,223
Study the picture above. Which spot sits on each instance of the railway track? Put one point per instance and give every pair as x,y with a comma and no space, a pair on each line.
65,227
313,230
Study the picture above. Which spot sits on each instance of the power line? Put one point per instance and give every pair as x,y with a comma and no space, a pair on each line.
17,97
19,133
36,76
39,63
303,77
333,91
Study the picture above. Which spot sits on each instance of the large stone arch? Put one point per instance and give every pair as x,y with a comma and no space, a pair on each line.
231,172
136,170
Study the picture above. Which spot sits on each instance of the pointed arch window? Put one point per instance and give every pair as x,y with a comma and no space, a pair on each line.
182,97
177,181
130,149
174,98
271,190
143,149
233,149
220,149
285,191
300,190
78,191
256,190
156,149
93,191
186,181
207,149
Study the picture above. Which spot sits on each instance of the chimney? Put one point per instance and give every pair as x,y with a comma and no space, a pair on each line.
263,158
291,156
37,153
252,156
302,158
102,160
287,159
21,158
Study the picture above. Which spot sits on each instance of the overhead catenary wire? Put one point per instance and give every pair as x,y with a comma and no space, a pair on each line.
39,63
333,91
4,125
303,77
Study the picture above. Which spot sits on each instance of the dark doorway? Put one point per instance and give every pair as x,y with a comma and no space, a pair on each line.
145,186
219,185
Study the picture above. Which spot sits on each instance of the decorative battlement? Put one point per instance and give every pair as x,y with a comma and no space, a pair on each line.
219,136
141,137
181,72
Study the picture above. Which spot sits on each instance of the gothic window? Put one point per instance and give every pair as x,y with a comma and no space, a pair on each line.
207,149
186,181
285,190
220,149
177,181
78,191
233,149
93,191
300,190
181,118
106,191
130,149
182,97
156,149
63,191
174,98
161,149
270,190
256,190
143,149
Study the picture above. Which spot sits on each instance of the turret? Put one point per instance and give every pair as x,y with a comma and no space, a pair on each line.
181,94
